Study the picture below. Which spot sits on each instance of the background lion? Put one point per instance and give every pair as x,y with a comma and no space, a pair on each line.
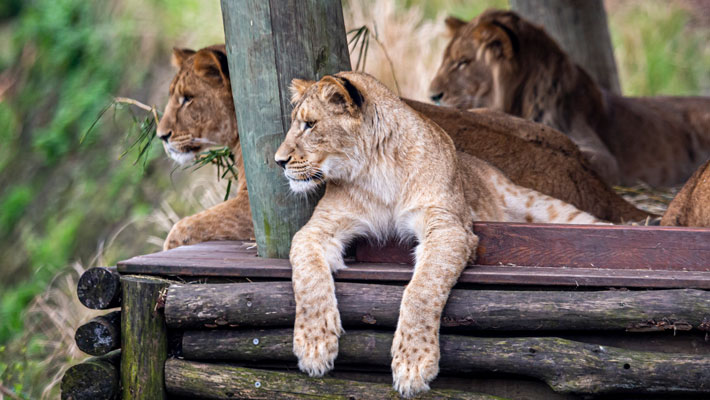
502,61
691,206
200,113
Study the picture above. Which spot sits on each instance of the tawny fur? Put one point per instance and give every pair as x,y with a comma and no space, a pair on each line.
389,171
691,206
200,114
502,61
530,154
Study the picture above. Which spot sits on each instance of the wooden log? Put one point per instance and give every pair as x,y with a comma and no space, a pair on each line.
220,381
96,378
268,44
144,341
100,335
270,304
566,366
580,28
100,288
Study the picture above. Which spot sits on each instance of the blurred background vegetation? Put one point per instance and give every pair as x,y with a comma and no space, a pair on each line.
66,206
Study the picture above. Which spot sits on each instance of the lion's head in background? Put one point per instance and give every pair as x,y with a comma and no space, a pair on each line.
200,111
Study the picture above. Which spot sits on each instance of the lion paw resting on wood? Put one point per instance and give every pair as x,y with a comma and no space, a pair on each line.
388,171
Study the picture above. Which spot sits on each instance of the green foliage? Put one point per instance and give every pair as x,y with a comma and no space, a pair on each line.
12,207
60,196
658,53
464,9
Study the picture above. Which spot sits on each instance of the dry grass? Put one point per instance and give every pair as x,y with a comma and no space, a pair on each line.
414,44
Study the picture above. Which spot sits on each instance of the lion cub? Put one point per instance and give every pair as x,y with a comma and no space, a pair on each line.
388,171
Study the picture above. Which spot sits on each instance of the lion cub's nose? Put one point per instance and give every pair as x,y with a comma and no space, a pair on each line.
282,162
436,98
165,136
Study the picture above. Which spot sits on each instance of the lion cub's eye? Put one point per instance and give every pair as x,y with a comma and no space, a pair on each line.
462,63
184,100
305,125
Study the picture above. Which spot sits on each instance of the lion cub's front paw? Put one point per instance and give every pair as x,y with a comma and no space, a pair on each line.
415,362
315,341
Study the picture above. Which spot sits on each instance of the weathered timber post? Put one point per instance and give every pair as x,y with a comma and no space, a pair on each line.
580,27
144,341
268,44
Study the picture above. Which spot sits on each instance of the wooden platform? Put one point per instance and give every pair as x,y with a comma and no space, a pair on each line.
513,254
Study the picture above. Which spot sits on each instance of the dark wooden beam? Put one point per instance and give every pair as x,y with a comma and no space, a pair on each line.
268,44
99,288
566,366
270,304
100,335
220,381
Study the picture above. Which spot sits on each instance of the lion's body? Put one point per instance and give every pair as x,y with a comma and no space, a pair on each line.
206,119
389,171
501,61
530,154
691,206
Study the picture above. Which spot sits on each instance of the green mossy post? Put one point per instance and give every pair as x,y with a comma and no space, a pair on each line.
144,341
270,42
219,381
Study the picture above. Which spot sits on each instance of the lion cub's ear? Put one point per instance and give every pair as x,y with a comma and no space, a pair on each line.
179,56
298,88
496,39
212,66
454,24
340,91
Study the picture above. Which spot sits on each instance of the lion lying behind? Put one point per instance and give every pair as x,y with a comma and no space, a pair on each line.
691,206
502,61
200,113
388,170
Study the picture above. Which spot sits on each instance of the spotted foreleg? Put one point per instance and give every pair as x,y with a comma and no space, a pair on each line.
316,251
445,246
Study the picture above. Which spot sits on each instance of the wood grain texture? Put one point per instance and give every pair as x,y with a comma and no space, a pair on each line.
271,304
562,255
100,335
220,381
578,246
268,44
144,341
580,28
566,366
99,288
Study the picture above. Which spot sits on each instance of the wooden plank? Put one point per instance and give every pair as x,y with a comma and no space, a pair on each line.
234,259
270,304
195,380
566,366
577,246
268,44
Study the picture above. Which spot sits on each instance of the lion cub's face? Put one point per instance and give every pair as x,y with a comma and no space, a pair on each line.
200,111
323,142
477,62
